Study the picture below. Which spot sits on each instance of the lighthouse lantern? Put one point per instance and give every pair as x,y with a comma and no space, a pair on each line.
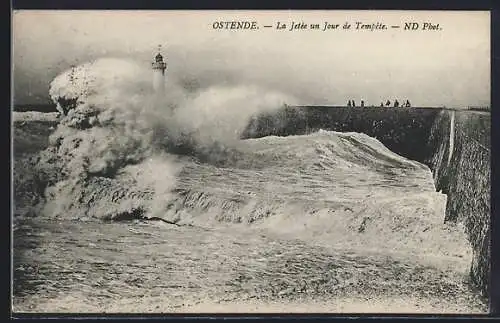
159,67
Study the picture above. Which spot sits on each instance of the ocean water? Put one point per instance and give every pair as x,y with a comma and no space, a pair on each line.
329,222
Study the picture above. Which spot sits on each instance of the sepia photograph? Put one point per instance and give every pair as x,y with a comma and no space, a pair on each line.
238,161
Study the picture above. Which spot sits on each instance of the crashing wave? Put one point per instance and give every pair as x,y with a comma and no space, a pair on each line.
111,121
120,152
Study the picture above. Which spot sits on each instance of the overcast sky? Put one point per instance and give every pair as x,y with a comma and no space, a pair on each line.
447,67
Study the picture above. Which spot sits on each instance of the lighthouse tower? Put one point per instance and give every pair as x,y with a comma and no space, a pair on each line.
159,67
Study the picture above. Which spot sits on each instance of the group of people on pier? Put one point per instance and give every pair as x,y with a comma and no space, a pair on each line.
395,104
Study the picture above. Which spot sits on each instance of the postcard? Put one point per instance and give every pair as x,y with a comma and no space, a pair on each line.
284,161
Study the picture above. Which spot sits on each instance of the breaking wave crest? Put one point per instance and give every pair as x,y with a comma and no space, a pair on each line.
121,151
112,120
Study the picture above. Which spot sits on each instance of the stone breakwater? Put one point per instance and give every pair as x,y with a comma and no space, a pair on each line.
422,134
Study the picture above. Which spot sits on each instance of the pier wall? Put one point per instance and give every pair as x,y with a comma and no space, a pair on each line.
455,144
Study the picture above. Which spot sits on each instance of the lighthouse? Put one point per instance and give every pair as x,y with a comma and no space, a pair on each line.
159,67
